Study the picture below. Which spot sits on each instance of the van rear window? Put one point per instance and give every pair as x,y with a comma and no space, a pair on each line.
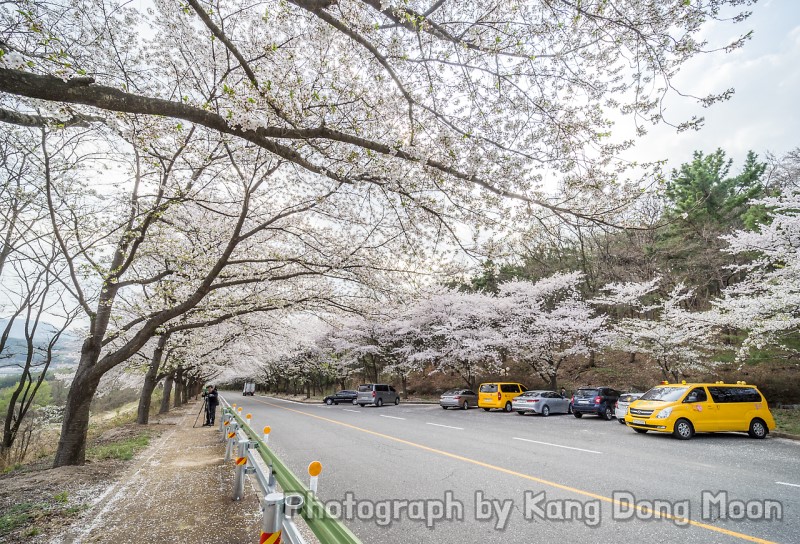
365,388
509,388
489,388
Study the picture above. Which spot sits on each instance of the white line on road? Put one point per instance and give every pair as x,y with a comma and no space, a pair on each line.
446,426
555,445
392,417
786,483
349,410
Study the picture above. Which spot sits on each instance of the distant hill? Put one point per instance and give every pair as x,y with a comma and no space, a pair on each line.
66,352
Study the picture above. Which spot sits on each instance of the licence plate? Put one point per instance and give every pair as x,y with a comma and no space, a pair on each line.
583,402
638,422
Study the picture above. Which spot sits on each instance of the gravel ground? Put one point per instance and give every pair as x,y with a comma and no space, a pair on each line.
177,491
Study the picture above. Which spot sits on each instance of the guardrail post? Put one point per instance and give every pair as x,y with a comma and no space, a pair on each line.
249,418
241,465
272,518
292,504
271,484
231,436
223,417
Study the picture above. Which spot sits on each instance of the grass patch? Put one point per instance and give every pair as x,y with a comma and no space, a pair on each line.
124,449
788,421
20,515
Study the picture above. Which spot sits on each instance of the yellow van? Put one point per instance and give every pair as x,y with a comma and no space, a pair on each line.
499,394
685,408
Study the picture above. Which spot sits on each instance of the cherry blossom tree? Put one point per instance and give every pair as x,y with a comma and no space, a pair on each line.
677,340
545,322
766,303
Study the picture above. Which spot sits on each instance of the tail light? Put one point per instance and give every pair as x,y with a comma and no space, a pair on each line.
534,400
457,398
597,400
499,396
373,394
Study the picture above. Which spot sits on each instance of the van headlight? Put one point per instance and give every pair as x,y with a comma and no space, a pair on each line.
664,414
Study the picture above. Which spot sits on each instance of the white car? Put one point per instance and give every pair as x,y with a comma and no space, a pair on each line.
621,407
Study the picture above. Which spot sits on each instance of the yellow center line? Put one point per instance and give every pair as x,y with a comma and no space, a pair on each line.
643,509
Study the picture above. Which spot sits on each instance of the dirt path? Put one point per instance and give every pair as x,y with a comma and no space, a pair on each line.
177,491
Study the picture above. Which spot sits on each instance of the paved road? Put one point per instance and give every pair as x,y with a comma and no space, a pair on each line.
522,479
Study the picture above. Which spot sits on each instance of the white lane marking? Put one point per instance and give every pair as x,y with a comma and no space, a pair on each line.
392,417
349,410
555,445
446,426
786,483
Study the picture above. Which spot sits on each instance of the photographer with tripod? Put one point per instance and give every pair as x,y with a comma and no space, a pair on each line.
211,399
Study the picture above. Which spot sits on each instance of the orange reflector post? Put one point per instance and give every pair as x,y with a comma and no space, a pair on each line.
267,429
231,435
241,460
270,538
314,468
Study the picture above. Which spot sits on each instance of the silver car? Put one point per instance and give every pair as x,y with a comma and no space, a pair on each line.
621,408
458,398
377,394
540,402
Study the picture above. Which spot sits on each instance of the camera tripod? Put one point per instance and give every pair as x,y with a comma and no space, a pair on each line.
203,408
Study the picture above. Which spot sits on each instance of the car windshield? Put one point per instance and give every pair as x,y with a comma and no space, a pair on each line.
531,394
451,392
489,388
584,393
365,388
664,394
628,398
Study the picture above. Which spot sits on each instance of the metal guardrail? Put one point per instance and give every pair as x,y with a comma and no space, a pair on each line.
253,457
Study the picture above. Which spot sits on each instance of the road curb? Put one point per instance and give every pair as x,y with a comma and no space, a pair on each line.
778,434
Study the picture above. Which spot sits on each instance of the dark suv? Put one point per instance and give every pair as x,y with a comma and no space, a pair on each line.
595,400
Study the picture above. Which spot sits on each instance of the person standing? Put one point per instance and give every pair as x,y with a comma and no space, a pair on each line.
212,399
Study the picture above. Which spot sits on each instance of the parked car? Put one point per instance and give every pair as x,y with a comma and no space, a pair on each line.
249,389
458,398
685,408
377,394
499,395
598,401
621,407
540,402
347,396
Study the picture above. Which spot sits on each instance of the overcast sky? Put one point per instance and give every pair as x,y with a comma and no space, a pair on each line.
764,113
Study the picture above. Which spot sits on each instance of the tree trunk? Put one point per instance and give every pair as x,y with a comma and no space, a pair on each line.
178,384
72,444
150,381
553,382
167,393
404,381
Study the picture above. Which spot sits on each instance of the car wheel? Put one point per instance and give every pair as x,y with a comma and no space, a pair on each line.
640,431
328,401
396,401
355,402
621,421
465,406
379,403
577,414
546,411
507,407
444,407
683,429
608,415
486,409
758,429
